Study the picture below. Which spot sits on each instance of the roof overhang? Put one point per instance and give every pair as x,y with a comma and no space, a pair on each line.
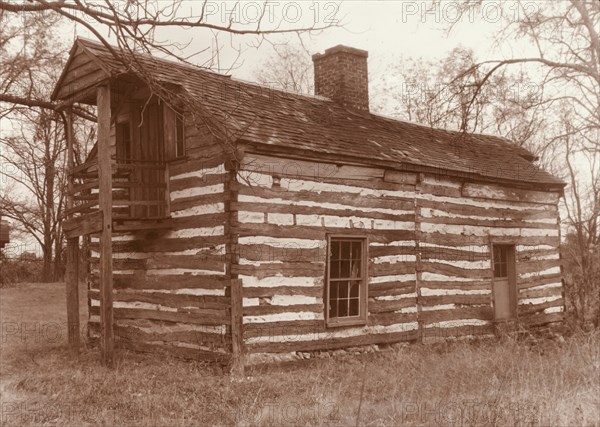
82,72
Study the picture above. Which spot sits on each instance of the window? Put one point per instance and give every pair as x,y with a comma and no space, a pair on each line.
500,260
180,137
346,290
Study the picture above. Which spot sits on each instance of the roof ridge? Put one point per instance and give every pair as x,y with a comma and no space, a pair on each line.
158,58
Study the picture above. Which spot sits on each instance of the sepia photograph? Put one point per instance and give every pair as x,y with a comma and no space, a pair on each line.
299,213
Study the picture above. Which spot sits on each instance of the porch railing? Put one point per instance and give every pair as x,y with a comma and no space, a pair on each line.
139,190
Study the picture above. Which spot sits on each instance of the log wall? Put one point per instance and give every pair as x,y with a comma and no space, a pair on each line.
429,256
285,209
429,239
458,223
171,286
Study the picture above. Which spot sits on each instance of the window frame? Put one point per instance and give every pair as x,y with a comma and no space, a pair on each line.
361,319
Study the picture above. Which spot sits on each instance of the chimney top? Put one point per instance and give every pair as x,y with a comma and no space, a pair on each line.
341,75
340,48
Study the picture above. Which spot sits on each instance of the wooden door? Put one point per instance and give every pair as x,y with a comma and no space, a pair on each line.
151,162
123,157
504,288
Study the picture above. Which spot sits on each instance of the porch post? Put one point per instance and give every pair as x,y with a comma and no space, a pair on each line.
105,200
72,268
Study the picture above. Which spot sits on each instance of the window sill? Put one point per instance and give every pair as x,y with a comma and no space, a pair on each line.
339,323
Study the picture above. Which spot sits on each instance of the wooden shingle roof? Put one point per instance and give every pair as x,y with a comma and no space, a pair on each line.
290,122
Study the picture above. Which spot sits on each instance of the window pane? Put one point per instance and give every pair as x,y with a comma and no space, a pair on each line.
356,250
355,270
335,250
354,307
345,271
333,291
333,308
346,250
354,289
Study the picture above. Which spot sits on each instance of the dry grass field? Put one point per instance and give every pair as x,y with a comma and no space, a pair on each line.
486,383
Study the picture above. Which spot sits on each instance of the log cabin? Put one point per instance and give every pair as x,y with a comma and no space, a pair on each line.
233,222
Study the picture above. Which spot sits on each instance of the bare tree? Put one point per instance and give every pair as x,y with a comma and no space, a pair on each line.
289,68
136,26
33,159
566,37
439,93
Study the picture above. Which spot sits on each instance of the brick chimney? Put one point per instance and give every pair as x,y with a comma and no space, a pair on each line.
341,75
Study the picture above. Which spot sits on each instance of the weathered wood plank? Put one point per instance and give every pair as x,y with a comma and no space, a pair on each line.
105,186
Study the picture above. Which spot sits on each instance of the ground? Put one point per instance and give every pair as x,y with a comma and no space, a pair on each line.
495,382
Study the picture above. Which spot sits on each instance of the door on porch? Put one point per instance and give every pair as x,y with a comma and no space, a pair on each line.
141,156
504,289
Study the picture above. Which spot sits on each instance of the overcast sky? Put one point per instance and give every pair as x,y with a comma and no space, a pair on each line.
387,29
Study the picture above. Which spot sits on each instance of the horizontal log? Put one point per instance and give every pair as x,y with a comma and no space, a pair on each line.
288,253
162,244
449,254
199,338
375,306
535,266
431,301
524,310
201,262
516,213
538,293
388,269
306,291
321,211
450,270
270,195
165,316
176,351
165,282
210,304
198,164
386,250
530,282
541,318
303,232
286,269
84,225
196,201
391,289
386,319
434,334
198,181
332,343
463,313
293,168
477,221
498,192
262,310
283,328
